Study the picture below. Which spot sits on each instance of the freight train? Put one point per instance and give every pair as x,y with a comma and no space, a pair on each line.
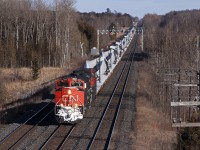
75,92
74,95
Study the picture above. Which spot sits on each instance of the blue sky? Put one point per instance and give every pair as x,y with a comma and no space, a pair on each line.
136,7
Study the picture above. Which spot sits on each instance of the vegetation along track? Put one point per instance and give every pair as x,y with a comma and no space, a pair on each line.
19,134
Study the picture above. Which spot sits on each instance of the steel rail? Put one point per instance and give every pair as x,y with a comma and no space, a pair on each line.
66,137
50,137
54,133
8,136
30,130
119,106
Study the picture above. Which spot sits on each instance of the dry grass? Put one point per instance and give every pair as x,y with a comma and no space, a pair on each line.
18,83
146,86
153,129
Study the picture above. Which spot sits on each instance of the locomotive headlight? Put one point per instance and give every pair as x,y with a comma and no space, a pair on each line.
69,92
85,85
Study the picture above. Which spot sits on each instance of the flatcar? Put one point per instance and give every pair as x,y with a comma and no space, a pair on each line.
74,94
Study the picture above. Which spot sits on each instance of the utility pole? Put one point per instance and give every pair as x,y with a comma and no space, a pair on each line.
98,40
98,34
142,39
99,55
198,71
197,53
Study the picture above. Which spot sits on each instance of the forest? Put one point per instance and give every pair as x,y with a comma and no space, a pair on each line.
174,35
173,39
31,29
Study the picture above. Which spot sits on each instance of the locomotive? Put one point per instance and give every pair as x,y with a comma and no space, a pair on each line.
74,94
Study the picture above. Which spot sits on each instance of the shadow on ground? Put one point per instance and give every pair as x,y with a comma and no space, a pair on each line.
140,56
22,109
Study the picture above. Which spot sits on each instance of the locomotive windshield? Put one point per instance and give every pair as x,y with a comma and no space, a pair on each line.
63,84
77,84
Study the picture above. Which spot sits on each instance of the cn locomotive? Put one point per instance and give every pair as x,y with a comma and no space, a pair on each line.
74,95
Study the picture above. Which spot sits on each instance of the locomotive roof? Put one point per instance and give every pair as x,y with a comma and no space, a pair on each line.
83,74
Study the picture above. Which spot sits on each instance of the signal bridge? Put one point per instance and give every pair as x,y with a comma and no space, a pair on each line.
185,103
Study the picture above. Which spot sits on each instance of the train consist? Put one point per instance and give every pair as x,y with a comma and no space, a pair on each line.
75,92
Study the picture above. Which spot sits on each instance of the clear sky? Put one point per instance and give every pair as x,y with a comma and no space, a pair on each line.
136,7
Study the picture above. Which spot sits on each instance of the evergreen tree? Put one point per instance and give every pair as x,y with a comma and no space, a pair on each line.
35,69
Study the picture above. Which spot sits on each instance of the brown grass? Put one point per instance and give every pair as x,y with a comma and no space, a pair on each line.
18,83
153,129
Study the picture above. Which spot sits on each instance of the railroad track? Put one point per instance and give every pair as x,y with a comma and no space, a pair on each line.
21,132
105,128
57,139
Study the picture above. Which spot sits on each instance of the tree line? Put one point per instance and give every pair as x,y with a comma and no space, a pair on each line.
174,36
54,34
